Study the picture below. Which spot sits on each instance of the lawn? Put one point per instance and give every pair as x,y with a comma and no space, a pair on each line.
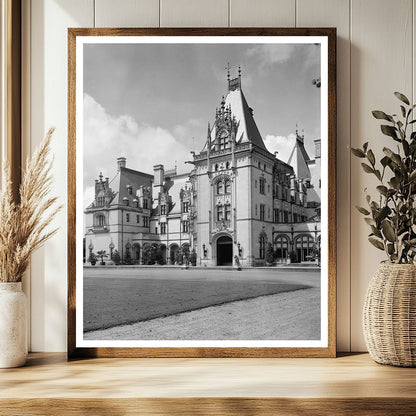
112,300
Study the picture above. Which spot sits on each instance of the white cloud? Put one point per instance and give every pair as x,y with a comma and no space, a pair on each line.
303,55
281,144
107,137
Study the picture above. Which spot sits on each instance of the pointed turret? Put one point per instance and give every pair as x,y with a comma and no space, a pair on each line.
299,158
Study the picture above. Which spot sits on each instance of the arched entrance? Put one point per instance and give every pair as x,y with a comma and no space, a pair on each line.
224,251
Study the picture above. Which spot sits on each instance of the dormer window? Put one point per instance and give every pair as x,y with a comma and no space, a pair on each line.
136,202
129,189
100,201
163,210
126,201
145,204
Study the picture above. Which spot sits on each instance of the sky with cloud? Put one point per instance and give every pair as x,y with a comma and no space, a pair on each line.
152,102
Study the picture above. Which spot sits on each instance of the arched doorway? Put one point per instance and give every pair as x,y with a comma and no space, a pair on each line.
173,253
224,251
304,244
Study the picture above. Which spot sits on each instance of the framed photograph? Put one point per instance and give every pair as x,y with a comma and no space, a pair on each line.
202,183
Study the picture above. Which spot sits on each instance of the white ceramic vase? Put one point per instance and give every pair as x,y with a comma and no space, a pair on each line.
13,325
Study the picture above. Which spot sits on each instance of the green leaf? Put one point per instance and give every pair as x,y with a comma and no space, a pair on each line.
394,182
362,210
378,174
382,189
389,131
357,152
382,214
376,232
412,176
367,168
376,243
381,115
370,157
406,147
390,248
403,111
369,221
402,97
388,230
365,145
385,161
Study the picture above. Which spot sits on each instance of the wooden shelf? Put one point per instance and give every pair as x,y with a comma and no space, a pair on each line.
349,384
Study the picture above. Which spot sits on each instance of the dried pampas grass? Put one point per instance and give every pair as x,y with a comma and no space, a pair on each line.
24,225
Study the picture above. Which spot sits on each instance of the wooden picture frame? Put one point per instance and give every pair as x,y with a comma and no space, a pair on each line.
100,348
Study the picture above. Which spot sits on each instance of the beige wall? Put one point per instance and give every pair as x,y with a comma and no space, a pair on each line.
376,57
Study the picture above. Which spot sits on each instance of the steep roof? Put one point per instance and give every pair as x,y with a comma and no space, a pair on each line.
124,177
247,128
299,159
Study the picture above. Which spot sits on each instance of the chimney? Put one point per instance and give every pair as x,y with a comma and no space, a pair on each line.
317,148
121,163
159,178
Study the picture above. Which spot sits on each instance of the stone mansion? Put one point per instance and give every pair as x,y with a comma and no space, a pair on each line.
236,199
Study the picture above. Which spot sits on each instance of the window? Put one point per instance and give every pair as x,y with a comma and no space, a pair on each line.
127,217
256,211
145,221
227,186
275,215
101,220
259,164
304,245
222,141
219,212
262,185
262,246
137,219
285,216
227,165
185,206
319,184
185,226
163,210
227,212
282,247
100,201
145,204
255,184
262,208
216,167
163,228
219,187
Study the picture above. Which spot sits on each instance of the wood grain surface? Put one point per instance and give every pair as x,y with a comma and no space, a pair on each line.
347,385
329,351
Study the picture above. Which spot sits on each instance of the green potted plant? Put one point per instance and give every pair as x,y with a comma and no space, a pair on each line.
101,254
92,259
24,227
116,257
270,257
390,306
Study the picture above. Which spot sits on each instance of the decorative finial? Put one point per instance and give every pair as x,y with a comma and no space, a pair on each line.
239,71
228,71
296,129
101,176
223,103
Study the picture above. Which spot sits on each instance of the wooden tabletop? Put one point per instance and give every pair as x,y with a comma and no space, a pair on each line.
49,384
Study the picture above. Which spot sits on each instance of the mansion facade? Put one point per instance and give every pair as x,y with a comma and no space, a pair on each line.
237,198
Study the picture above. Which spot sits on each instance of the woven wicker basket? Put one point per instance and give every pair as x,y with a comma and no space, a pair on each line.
390,315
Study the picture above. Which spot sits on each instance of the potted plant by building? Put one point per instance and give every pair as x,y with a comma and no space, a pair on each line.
24,227
389,317
101,254
92,259
270,255
116,257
